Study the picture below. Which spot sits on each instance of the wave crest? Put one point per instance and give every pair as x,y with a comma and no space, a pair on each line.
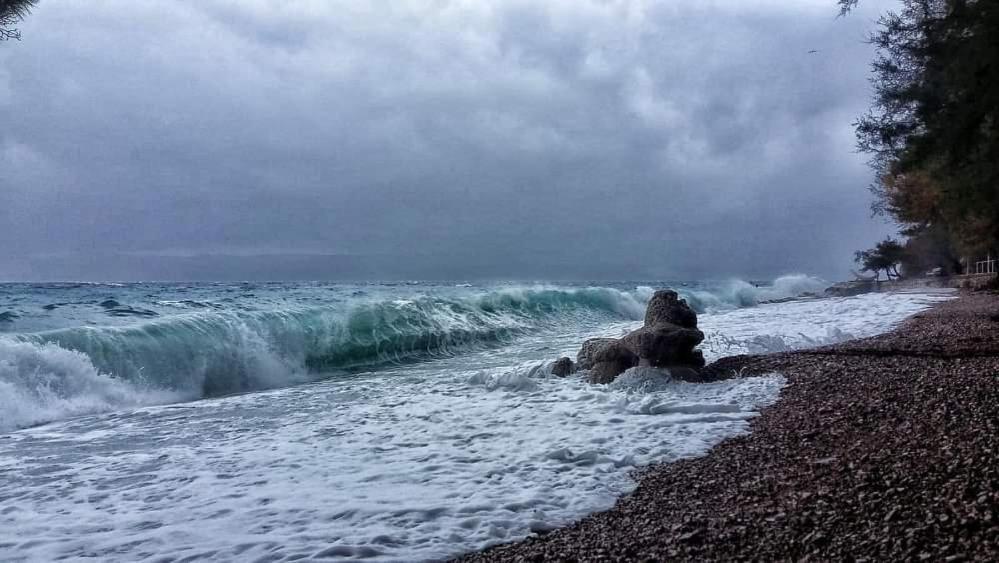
211,353
740,293
62,373
44,382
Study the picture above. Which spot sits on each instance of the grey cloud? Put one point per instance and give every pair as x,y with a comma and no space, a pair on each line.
498,139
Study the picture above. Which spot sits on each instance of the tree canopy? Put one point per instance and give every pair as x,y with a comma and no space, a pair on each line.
887,255
11,13
933,128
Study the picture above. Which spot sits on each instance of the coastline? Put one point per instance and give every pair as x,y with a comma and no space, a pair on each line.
879,448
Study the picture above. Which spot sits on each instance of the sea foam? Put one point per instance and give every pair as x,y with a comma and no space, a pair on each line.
426,463
43,382
221,350
409,461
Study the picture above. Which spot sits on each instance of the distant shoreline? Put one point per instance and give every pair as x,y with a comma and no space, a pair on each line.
878,448
856,287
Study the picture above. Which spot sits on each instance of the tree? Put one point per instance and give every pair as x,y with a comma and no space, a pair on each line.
846,5
13,12
933,127
927,249
886,255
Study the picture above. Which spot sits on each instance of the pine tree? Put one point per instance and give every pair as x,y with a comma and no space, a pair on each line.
11,13
933,128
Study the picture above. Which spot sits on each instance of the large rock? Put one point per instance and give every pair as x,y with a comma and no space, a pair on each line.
667,341
666,307
664,345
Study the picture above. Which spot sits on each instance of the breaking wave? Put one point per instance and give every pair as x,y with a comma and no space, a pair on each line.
44,382
57,374
740,293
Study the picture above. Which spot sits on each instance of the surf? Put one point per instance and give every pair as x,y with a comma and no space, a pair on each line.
215,350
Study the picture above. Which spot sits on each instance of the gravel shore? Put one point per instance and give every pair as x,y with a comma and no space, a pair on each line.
884,448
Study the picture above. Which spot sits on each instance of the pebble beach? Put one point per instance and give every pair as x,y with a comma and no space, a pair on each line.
881,448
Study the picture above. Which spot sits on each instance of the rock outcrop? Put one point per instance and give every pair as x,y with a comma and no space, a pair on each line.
667,307
595,348
605,358
667,340
663,345
849,289
563,367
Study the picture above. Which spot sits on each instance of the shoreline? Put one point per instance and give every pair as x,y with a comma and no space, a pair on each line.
881,447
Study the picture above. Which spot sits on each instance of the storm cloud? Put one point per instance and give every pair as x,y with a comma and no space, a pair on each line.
314,139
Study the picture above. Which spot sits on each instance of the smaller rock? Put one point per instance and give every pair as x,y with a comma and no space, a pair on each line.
849,289
597,350
694,536
563,367
606,372
694,359
684,373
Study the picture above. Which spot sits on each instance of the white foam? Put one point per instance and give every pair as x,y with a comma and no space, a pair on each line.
777,327
421,462
740,293
40,383
414,462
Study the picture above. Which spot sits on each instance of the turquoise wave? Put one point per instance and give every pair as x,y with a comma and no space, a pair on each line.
207,354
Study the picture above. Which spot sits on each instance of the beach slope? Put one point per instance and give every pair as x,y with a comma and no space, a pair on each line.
879,448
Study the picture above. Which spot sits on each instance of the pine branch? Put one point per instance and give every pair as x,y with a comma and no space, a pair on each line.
13,12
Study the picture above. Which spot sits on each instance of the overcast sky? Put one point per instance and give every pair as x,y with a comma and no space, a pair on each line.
434,139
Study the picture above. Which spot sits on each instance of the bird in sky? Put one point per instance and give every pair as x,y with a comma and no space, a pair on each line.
813,51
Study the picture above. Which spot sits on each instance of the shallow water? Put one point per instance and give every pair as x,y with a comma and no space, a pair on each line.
437,446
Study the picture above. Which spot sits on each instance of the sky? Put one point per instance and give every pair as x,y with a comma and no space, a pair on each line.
434,139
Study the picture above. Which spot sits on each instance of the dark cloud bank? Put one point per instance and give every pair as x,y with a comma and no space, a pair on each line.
170,139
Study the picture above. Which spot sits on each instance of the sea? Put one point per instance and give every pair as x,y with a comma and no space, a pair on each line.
370,421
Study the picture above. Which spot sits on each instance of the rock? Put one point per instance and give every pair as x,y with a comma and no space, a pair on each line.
848,289
666,307
563,367
606,372
664,345
597,350
909,433
605,358
694,359
687,374
694,536
584,358
667,340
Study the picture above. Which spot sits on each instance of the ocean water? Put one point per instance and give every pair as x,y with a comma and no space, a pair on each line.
412,421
